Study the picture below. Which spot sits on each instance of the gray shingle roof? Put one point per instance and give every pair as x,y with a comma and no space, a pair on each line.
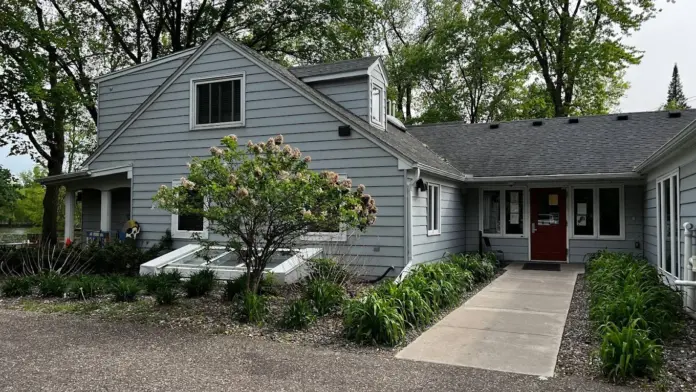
596,144
334,68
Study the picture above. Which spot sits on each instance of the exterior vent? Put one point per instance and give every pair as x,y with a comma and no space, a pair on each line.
622,117
344,130
537,123
674,114
494,126
573,120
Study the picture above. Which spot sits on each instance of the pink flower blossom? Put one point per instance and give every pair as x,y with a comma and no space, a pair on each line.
232,179
279,139
250,144
217,151
270,143
187,184
347,183
307,159
163,187
287,150
258,172
296,153
233,137
361,188
242,192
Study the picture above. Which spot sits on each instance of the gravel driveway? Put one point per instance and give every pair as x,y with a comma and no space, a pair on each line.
40,352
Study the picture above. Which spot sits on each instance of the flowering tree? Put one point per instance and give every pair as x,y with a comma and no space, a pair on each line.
263,198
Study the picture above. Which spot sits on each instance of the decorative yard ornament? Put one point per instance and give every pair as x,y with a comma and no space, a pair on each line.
132,229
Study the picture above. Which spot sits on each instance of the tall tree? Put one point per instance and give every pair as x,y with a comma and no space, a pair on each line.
45,69
576,45
676,100
470,69
9,194
306,30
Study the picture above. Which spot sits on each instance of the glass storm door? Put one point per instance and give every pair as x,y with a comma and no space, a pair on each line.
548,224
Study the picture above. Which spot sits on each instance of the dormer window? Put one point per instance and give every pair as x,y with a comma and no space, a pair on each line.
376,105
217,102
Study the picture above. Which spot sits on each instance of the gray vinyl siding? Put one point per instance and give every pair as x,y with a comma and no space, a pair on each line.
513,249
579,249
517,249
351,93
91,209
120,96
376,74
687,201
650,222
159,144
452,235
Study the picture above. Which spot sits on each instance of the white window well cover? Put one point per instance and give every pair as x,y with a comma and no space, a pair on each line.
286,266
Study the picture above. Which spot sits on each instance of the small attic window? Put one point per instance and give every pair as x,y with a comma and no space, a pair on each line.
217,102
674,114
622,117
494,126
537,123
573,120
376,105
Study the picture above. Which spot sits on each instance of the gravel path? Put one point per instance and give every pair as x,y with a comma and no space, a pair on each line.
40,352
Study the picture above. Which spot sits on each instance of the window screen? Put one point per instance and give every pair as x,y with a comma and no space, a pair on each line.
491,212
192,222
609,211
433,208
583,200
376,104
218,102
514,202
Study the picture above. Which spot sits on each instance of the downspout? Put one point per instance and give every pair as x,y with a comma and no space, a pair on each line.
689,271
409,225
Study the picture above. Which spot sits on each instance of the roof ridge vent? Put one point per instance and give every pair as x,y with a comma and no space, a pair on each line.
537,123
622,117
573,120
675,114
494,126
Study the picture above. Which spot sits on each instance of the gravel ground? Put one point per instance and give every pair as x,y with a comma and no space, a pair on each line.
575,357
48,352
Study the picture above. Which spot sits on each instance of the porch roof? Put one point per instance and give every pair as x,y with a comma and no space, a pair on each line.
594,145
83,174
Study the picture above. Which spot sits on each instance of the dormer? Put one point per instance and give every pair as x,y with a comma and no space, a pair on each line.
359,85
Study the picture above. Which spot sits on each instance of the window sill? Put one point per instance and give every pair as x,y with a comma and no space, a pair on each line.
377,124
432,233
599,238
504,235
325,237
204,127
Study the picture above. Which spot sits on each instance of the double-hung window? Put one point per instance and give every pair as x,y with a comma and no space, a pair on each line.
434,213
502,212
668,249
329,231
187,225
598,212
217,102
377,105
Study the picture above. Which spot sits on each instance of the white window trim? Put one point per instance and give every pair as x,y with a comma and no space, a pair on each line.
430,215
319,236
596,213
383,106
503,212
193,102
186,234
676,228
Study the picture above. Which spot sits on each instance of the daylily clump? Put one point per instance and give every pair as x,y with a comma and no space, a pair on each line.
263,197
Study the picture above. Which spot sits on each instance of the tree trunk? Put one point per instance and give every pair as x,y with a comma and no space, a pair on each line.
49,225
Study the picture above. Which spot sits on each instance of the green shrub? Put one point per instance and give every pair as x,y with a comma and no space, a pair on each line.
51,284
254,308
125,289
166,295
481,268
373,319
325,295
238,286
624,288
327,269
441,284
628,352
200,283
17,286
86,286
153,283
299,315
412,305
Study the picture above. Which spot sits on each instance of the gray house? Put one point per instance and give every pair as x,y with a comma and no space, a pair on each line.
547,190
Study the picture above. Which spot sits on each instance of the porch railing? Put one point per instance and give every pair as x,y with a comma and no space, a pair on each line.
689,271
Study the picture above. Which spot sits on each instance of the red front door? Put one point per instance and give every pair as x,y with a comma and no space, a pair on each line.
548,220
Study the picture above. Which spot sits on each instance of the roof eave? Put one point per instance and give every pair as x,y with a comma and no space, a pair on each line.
555,177
673,145
443,173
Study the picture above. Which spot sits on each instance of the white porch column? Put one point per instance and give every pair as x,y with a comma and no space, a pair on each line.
105,223
69,215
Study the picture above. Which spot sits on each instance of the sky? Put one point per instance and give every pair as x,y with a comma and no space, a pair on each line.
664,39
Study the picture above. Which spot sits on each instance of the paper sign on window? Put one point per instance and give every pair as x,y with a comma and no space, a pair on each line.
553,199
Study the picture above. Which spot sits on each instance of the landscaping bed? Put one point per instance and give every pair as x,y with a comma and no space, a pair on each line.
213,312
659,349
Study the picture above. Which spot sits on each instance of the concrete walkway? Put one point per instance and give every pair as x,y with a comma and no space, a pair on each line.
515,324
